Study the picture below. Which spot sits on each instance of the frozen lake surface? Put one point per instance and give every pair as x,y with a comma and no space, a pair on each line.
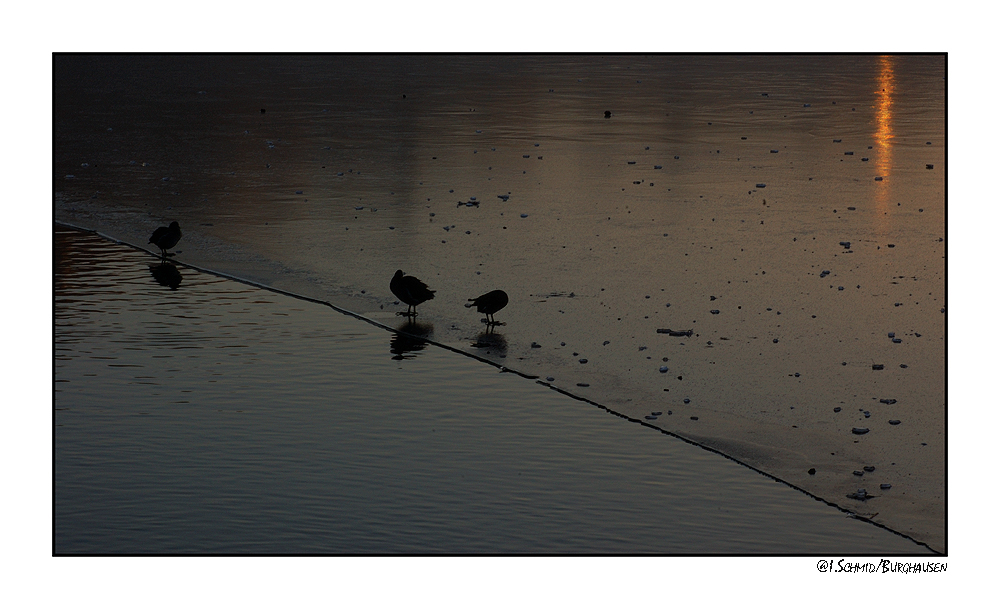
788,211
196,414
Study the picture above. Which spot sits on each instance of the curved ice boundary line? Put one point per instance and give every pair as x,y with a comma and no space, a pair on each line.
502,368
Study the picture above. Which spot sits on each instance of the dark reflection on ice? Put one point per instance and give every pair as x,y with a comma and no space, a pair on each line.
493,343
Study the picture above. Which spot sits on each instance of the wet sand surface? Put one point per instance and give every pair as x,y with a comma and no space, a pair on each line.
788,211
196,414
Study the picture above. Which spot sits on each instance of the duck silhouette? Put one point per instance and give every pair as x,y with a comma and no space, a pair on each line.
410,290
166,237
489,303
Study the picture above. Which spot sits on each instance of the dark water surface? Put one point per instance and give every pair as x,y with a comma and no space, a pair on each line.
716,198
195,414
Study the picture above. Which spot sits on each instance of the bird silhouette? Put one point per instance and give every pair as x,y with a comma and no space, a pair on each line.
166,237
410,290
489,303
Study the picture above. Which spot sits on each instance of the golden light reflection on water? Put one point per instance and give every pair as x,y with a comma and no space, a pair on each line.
883,137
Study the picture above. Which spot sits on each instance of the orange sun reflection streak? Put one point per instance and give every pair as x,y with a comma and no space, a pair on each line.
883,140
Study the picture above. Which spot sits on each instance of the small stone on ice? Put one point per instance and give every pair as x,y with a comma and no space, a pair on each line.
860,431
664,369
524,215
885,487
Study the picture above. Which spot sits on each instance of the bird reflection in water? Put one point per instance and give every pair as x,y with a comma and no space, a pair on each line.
166,274
409,338
493,343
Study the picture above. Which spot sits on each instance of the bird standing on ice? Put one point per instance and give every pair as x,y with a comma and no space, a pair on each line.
489,303
166,237
410,290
